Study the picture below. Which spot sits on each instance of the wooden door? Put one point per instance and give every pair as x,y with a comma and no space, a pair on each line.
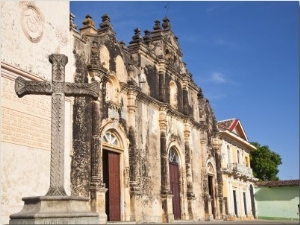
111,176
245,203
212,194
174,184
252,201
235,203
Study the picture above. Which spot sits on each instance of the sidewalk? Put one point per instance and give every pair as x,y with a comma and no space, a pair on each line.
258,221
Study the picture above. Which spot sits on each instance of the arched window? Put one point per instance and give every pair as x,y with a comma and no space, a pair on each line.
110,139
210,169
167,54
228,154
173,157
109,91
173,94
112,89
247,161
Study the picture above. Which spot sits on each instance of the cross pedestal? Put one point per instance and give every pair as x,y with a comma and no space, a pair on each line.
56,207
55,210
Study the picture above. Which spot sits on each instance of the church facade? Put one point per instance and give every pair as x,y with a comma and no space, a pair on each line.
147,150
147,153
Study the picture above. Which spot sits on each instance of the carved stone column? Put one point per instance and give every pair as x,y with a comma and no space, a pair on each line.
135,192
97,74
166,195
165,182
185,101
189,175
131,107
217,148
206,196
185,98
97,187
162,85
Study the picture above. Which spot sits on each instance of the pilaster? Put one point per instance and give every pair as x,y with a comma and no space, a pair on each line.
166,195
167,216
189,174
97,201
162,86
131,106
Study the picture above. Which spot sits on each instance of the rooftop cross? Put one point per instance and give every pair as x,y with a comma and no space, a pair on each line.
58,88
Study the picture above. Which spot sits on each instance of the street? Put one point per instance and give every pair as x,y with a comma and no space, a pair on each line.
261,222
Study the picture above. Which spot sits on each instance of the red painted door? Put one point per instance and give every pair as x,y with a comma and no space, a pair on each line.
111,176
212,195
174,184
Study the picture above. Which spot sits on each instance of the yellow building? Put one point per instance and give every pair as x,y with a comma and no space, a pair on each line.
237,174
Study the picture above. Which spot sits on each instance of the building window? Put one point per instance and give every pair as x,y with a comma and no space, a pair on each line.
109,92
173,94
246,161
110,138
173,158
245,203
238,156
228,154
235,202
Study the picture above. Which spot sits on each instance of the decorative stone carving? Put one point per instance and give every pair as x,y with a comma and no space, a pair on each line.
62,36
58,88
72,23
32,22
137,38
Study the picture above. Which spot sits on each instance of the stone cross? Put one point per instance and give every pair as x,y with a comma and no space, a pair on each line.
58,88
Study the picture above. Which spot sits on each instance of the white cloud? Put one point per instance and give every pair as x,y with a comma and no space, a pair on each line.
218,78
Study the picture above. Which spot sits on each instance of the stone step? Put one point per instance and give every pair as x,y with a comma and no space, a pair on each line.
121,222
183,221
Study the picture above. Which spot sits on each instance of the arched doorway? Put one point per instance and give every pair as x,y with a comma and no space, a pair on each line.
212,188
112,175
174,183
252,201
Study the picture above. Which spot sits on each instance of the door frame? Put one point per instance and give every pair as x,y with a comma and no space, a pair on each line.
106,174
173,158
120,149
211,191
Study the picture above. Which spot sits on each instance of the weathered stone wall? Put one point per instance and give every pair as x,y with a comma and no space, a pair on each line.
136,103
148,146
198,156
30,33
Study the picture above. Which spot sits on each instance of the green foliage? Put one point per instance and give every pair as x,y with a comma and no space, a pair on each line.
264,162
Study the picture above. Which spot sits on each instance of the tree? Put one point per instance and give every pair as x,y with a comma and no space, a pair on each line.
264,162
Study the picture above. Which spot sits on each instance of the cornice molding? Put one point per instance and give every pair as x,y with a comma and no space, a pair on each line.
234,139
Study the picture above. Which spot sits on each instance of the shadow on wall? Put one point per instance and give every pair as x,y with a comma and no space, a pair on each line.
276,193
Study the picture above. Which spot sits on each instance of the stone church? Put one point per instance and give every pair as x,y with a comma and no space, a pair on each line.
146,150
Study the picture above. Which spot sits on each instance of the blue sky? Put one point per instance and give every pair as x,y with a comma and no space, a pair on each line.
244,56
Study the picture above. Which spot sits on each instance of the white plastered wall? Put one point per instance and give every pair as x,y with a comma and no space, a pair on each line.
30,31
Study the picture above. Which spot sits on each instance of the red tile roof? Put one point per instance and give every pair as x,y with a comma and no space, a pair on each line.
227,124
233,125
278,183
